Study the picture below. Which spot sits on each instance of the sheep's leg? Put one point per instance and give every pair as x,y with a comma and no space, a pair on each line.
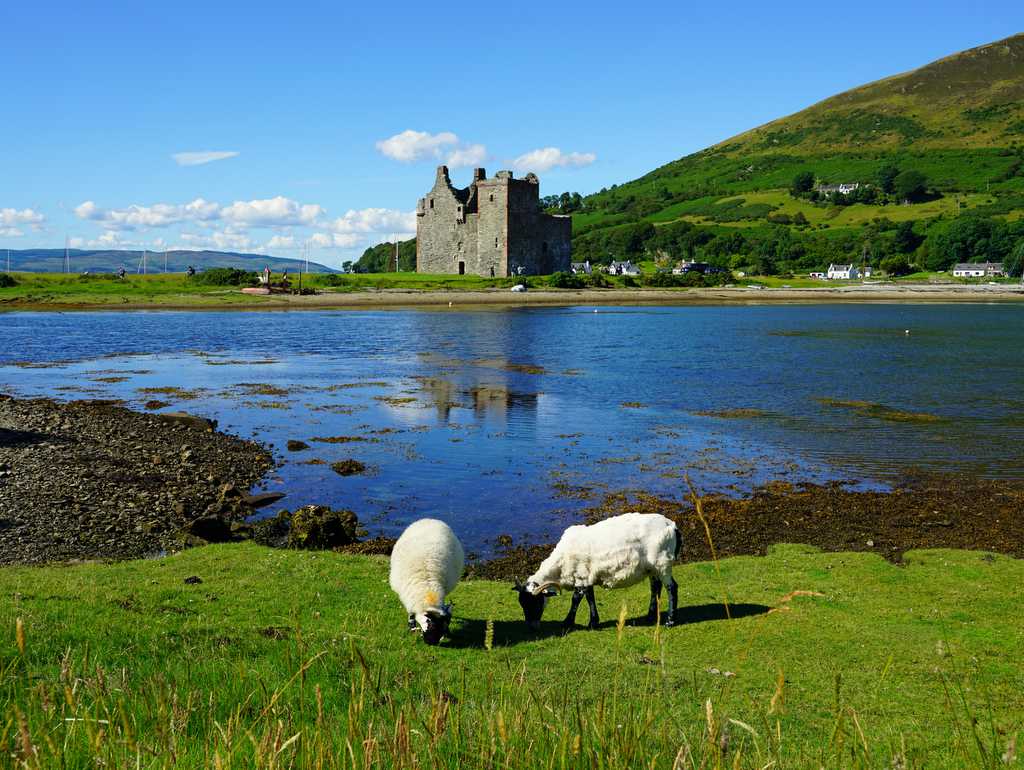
673,596
570,619
593,608
412,622
652,611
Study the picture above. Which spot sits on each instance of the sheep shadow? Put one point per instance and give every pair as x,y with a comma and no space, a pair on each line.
470,632
702,613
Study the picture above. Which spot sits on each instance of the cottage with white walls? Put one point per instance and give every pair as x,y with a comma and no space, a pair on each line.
623,268
842,189
978,270
843,273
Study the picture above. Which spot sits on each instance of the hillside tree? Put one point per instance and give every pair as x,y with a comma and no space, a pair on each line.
886,177
910,185
802,183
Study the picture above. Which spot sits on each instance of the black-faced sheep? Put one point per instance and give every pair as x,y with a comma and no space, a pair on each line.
426,564
614,553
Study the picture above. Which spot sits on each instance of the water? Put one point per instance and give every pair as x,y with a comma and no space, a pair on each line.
497,420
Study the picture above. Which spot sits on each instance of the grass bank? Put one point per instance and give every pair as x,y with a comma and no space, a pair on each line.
297,659
42,291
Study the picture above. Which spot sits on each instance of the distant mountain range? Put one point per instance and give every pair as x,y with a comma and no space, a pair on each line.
108,261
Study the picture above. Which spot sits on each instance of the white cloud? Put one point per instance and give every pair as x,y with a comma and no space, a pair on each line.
11,232
11,218
219,240
470,155
373,220
415,145
549,157
272,212
337,240
410,146
158,215
199,158
280,242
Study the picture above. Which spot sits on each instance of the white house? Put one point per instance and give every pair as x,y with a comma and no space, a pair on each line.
581,268
978,269
842,273
623,268
843,189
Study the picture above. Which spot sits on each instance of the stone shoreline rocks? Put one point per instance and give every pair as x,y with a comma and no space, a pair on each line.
92,480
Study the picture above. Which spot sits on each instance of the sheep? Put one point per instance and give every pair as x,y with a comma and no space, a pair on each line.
615,553
426,564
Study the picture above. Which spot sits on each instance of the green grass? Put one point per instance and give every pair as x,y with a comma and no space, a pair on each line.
169,289
298,659
176,289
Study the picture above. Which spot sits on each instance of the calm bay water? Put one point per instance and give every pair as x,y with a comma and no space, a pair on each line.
494,420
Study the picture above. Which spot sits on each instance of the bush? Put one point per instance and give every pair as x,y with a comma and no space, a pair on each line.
897,265
226,276
7,281
667,280
333,279
562,280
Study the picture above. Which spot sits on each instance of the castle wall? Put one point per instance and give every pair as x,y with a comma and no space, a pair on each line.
493,227
445,230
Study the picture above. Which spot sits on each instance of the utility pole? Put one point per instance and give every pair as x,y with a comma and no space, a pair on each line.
67,257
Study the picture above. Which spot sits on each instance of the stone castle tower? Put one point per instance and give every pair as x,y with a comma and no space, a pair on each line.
494,227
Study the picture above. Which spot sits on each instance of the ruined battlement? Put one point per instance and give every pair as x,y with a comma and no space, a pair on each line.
493,227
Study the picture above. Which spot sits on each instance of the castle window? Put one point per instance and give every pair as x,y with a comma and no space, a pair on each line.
431,203
495,243
492,197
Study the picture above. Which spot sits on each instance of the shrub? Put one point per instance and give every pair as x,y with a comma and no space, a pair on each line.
226,276
7,281
562,280
667,280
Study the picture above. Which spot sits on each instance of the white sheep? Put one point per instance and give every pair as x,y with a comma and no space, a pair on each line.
426,564
614,553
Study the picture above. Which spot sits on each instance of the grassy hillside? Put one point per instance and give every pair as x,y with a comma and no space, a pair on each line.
298,659
959,122
109,260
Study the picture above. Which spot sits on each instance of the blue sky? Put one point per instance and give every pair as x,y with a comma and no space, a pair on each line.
329,118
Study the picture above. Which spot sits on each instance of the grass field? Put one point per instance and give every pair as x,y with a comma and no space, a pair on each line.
176,289
295,659
855,215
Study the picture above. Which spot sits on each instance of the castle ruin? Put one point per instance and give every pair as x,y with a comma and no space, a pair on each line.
494,227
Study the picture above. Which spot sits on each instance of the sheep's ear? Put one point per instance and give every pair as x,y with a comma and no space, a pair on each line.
517,586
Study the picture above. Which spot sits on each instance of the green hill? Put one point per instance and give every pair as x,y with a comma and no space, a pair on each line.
108,261
958,122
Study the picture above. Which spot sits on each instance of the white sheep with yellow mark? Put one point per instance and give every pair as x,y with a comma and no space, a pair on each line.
426,564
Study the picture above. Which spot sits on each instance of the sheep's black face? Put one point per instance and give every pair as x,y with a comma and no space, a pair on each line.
436,627
532,604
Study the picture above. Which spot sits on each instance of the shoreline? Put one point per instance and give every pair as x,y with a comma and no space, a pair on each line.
93,480
456,299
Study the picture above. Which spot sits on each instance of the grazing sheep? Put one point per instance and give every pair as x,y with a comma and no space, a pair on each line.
615,553
426,564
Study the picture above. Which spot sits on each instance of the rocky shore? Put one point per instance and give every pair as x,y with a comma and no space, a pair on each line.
94,480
